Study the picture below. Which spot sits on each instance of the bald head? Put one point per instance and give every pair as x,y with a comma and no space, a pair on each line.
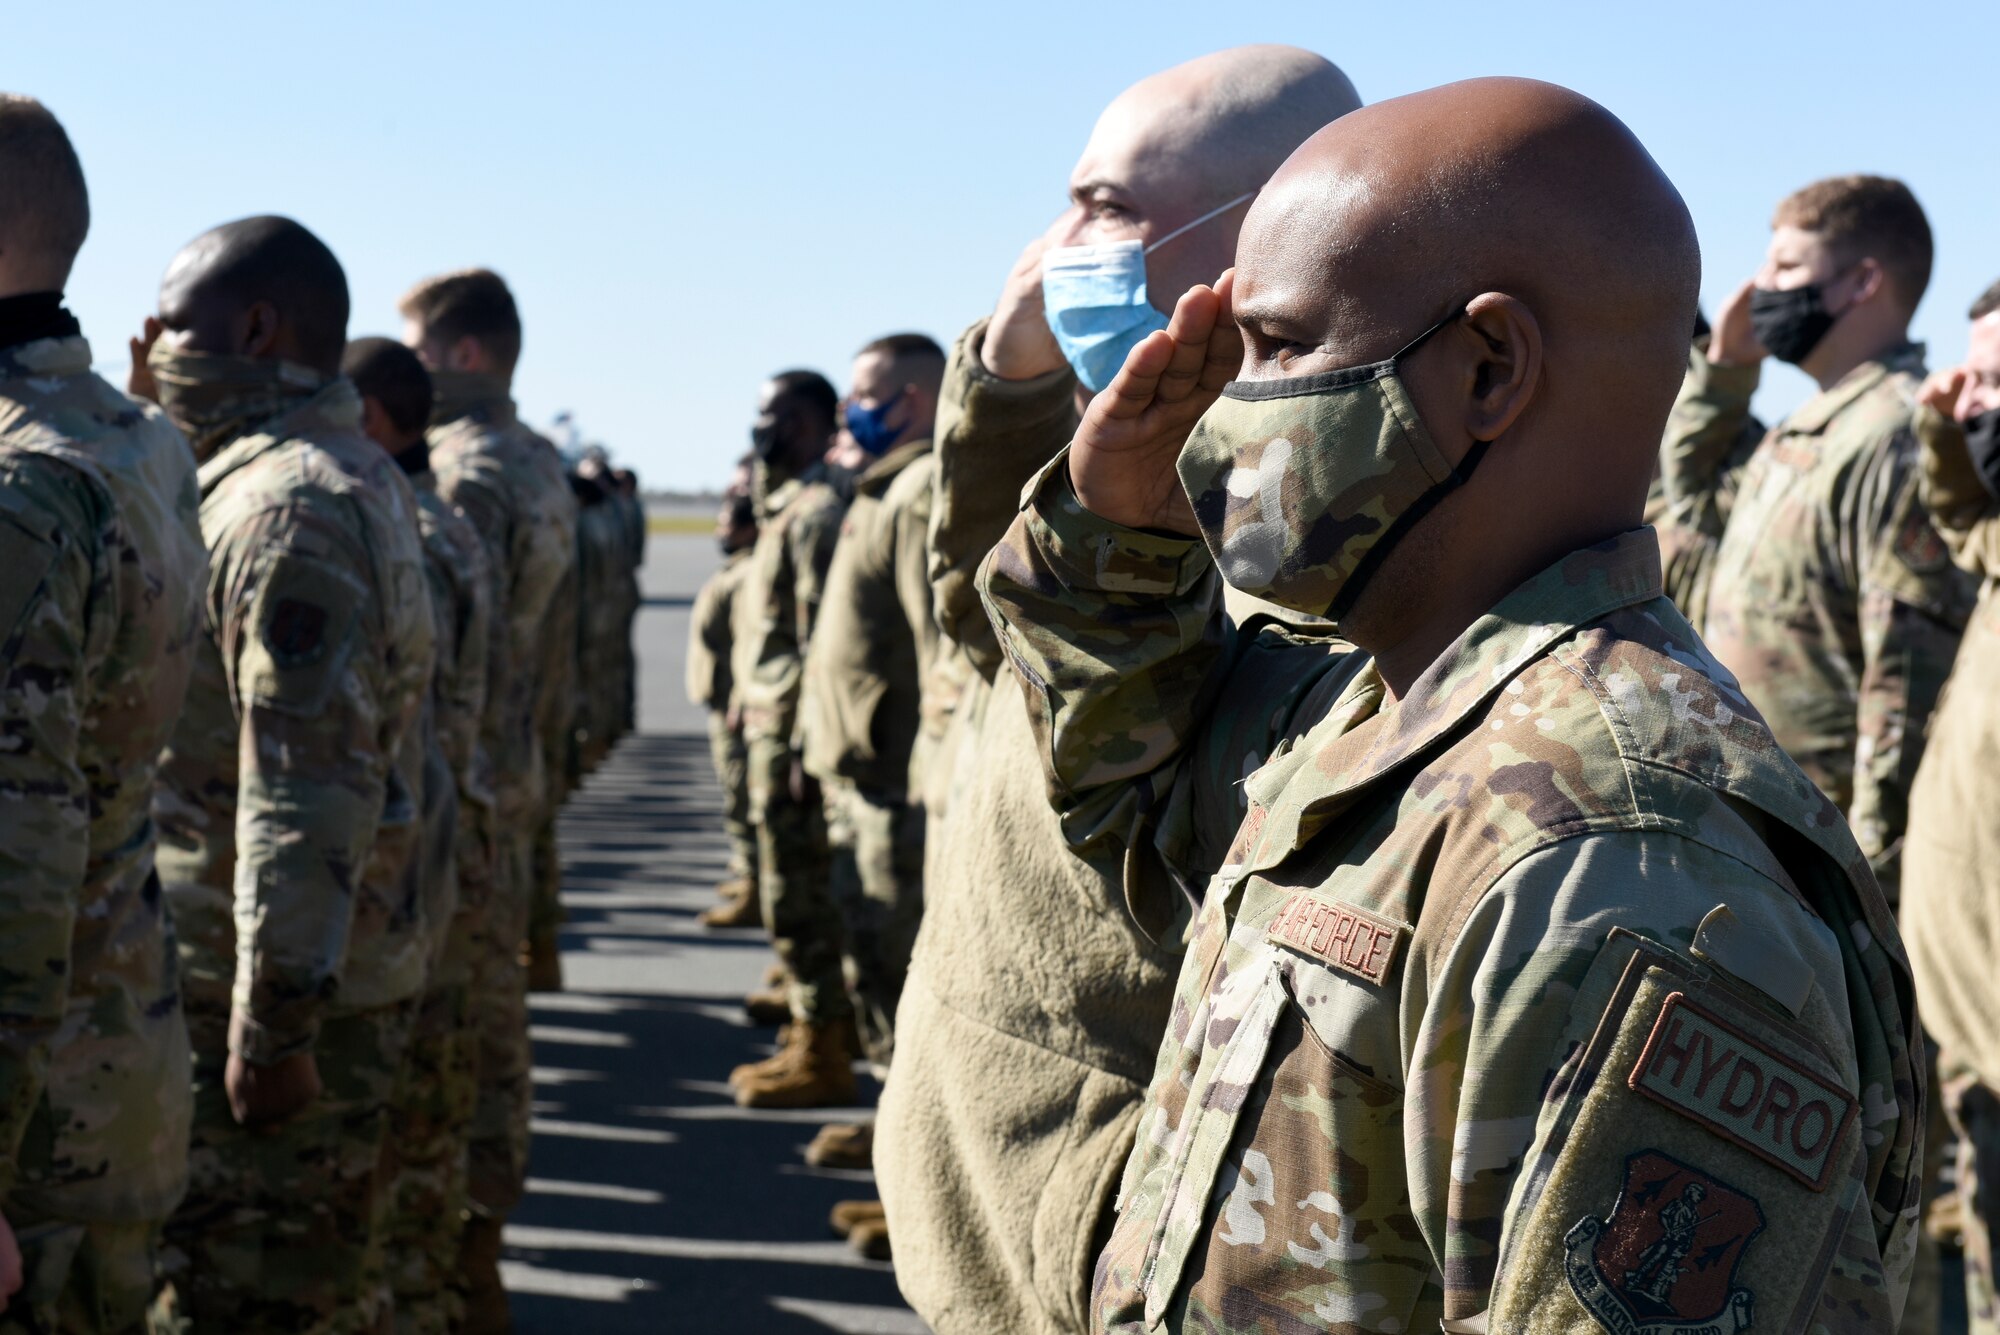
44,207
1192,139
1401,213
1564,265
261,287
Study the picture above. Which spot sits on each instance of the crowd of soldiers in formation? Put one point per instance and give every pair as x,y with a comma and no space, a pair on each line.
1369,794
1374,799
306,642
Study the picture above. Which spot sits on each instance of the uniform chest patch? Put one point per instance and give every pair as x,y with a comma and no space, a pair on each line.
1713,1073
1350,939
1664,1260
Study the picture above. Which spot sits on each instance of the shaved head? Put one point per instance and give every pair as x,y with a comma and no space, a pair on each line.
1565,266
263,287
1226,121
1190,140
44,207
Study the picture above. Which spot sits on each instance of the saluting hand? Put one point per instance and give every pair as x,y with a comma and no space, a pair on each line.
1018,344
1122,460
1732,341
1943,389
140,383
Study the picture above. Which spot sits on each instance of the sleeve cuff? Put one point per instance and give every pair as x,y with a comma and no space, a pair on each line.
1058,385
1090,552
1727,383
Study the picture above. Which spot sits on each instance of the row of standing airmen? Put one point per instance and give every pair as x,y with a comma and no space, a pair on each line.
302,658
947,885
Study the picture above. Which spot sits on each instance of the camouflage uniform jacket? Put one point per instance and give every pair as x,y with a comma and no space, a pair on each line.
1433,1050
100,614
508,481
1833,599
1708,443
461,589
779,601
708,659
866,666
291,761
1951,891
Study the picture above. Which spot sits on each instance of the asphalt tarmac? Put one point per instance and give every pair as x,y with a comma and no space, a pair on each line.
654,1203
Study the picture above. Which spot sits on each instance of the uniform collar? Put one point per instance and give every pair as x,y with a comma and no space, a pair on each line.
1818,412
336,406
46,357
876,477
1365,737
469,393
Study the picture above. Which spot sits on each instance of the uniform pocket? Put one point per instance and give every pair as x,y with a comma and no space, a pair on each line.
1294,1205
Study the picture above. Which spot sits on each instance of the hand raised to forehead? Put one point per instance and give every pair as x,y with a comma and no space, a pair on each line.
1122,460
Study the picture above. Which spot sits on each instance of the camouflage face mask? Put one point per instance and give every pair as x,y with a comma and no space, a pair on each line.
214,398
1303,486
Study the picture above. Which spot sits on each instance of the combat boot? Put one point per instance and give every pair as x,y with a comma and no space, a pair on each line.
772,1005
777,1059
843,1145
870,1237
741,911
848,1215
816,1070
738,886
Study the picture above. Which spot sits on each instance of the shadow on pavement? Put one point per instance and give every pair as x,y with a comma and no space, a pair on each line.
654,1203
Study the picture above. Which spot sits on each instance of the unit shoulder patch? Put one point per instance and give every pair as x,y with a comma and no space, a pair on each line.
1708,1070
1350,939
1665,1258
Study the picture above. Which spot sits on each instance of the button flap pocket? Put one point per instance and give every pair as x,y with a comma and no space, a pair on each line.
1222,1085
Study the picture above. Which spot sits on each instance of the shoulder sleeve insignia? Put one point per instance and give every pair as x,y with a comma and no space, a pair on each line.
1664,1259
1350,939
295,632
1918,545
1707,1070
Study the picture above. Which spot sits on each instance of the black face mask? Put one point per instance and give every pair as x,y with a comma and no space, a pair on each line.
767,441
1982,441
1790,323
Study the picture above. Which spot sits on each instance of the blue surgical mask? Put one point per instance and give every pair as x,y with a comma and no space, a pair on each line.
1095,300
870,426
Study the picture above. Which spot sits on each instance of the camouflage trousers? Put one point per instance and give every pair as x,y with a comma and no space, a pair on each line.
1975,1115
545,911
726,749
792,884
877,884
86,1278
281,1224
425,1160
497,1169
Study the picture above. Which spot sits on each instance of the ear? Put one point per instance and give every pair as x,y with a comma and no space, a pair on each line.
1506,363
467,354
1869,281
257,330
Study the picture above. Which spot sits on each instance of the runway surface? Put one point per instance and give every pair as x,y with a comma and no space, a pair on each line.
654,1203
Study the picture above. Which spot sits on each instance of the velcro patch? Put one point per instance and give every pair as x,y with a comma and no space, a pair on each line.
295,632
1715,1074
1352,940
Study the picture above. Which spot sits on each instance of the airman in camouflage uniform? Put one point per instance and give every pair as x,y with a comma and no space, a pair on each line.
102,546
1951,852
710,685
424,1162
632,513
1833,600
1021,1068
1702,458
776,609
508,482
289,793
1450,1039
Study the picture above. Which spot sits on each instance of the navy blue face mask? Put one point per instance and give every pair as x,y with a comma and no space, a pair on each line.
870,426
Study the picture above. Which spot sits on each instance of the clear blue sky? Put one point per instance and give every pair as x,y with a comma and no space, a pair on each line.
687,196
